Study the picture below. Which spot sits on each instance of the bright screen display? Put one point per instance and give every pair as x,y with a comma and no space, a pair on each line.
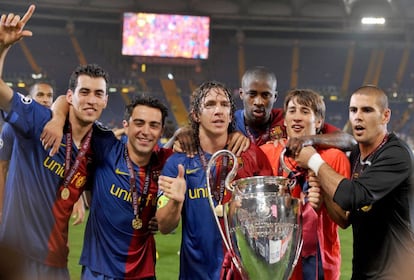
163,35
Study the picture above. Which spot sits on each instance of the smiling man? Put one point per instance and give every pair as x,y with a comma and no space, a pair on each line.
119,243
41,189
320,257
202,250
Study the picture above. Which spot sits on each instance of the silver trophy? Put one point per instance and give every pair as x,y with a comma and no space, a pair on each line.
262,223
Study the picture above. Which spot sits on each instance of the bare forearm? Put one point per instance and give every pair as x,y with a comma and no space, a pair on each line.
337,214
340,140
329,179
3,53
6,93
4,167
60,109
169,216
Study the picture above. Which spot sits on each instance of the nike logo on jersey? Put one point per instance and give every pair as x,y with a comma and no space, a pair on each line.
191,171
119,172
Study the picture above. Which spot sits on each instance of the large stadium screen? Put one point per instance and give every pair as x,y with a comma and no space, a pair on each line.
162,35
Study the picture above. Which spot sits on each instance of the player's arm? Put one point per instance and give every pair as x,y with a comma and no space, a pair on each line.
53,131
4,167
78,211
11,31
337,214
171,201
338,139
329,181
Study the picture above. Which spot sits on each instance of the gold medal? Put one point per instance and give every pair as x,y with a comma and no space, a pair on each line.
136,223
219,210
65,193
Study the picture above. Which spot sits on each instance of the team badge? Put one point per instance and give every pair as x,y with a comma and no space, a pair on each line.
80,182
276,133
26,100
240,162
366,208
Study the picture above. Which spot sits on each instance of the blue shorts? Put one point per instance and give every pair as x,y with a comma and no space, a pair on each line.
88,274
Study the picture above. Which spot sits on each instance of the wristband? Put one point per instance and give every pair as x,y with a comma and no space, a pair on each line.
315,163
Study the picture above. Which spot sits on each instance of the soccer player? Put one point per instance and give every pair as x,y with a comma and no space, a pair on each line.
202,250
118,241
41,189
320,257
379,196
42,93
262,123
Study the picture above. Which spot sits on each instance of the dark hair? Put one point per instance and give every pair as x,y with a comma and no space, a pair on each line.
41,82
149,101
259,72
373,90
309,98
91,70
196,101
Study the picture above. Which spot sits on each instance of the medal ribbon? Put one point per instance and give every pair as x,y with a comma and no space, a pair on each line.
132,183
265,137
219,190
70,170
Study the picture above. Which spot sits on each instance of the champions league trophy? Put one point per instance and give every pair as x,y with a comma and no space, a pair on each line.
262,223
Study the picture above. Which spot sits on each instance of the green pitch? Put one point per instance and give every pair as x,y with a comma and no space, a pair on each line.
169,245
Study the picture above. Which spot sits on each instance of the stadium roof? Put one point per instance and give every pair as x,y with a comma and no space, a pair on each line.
255,18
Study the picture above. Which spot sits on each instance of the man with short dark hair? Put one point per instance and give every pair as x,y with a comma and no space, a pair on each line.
41,189
379,197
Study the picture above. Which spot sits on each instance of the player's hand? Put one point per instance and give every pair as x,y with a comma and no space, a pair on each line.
12,27
294,145
185,141
51,136
304,155
153,225
174,188
78,212
314,196
237,143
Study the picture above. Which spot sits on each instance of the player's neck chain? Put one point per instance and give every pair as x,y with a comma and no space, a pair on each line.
265,137
71,170
135,192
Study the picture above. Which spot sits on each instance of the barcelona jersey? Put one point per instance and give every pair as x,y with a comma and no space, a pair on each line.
35,217
6,142
112,247
202,249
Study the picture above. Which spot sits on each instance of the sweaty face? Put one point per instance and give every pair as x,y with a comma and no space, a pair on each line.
258,99
88,100
300,120
43,94
144,129
367,120
215,113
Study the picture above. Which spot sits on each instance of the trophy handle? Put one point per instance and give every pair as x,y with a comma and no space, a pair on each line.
292,181
230,176
232,173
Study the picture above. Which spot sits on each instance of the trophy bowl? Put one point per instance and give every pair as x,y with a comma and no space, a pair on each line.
264,227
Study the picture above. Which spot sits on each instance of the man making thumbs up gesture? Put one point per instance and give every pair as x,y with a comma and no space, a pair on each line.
211,117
